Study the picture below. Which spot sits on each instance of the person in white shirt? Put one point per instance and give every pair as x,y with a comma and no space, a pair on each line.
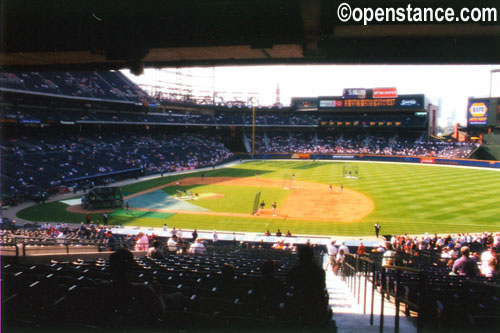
344,248
142,243
445,254
381,248
497,240
440,242
389,257
215,237
197,247
172,244
340,261
332,254
486,256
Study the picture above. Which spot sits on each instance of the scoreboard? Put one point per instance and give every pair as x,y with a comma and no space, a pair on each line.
336,103
362,99
378,108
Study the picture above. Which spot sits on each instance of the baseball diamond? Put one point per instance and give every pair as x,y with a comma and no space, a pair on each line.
403,197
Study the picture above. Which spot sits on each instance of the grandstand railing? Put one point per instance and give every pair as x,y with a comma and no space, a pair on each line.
40,245
361,270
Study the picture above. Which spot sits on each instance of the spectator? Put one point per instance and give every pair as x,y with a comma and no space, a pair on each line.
142,243
112,242
155,251
389,256
339,261
332,255
361,249
121,302
197,247
465,266
487,264
344,247
173,244
269,290
307,280
228,286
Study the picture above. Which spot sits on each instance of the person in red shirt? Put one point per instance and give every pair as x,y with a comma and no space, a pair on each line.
361,249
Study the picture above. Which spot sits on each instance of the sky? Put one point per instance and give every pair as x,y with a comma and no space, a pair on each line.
447,85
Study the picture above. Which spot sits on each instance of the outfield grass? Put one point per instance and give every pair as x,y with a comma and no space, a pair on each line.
408,199
53,212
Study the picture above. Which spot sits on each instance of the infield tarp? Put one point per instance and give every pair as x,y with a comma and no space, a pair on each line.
161,200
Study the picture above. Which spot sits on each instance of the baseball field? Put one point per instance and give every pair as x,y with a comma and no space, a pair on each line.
403,198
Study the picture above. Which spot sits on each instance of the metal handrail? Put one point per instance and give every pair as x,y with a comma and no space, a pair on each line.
355,268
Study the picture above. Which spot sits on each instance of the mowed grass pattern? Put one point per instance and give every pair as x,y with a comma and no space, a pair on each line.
408,199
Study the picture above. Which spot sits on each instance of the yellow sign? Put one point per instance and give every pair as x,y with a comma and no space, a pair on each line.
478,109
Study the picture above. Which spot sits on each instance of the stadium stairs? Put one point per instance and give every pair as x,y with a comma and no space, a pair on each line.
246,141
349,314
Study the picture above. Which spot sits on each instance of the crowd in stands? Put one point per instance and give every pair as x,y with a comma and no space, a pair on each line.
38,164
259,281
106,85
481,248
38,114
298,142
224,284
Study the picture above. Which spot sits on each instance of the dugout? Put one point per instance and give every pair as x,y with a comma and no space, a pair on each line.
103,197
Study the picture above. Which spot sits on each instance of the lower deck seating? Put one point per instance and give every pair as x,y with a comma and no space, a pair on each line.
195,290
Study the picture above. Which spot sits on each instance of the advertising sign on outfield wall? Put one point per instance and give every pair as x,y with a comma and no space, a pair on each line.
477,112
301,156
428,160
184,169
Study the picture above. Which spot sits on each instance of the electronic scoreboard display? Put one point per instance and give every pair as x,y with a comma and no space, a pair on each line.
402,102
305,103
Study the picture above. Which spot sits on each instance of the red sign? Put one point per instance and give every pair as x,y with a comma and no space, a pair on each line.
184,169
385,93
428,160
301,156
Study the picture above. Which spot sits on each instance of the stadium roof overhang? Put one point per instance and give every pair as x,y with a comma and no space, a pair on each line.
114,34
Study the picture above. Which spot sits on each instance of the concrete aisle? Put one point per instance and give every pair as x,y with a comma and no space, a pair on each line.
348,315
